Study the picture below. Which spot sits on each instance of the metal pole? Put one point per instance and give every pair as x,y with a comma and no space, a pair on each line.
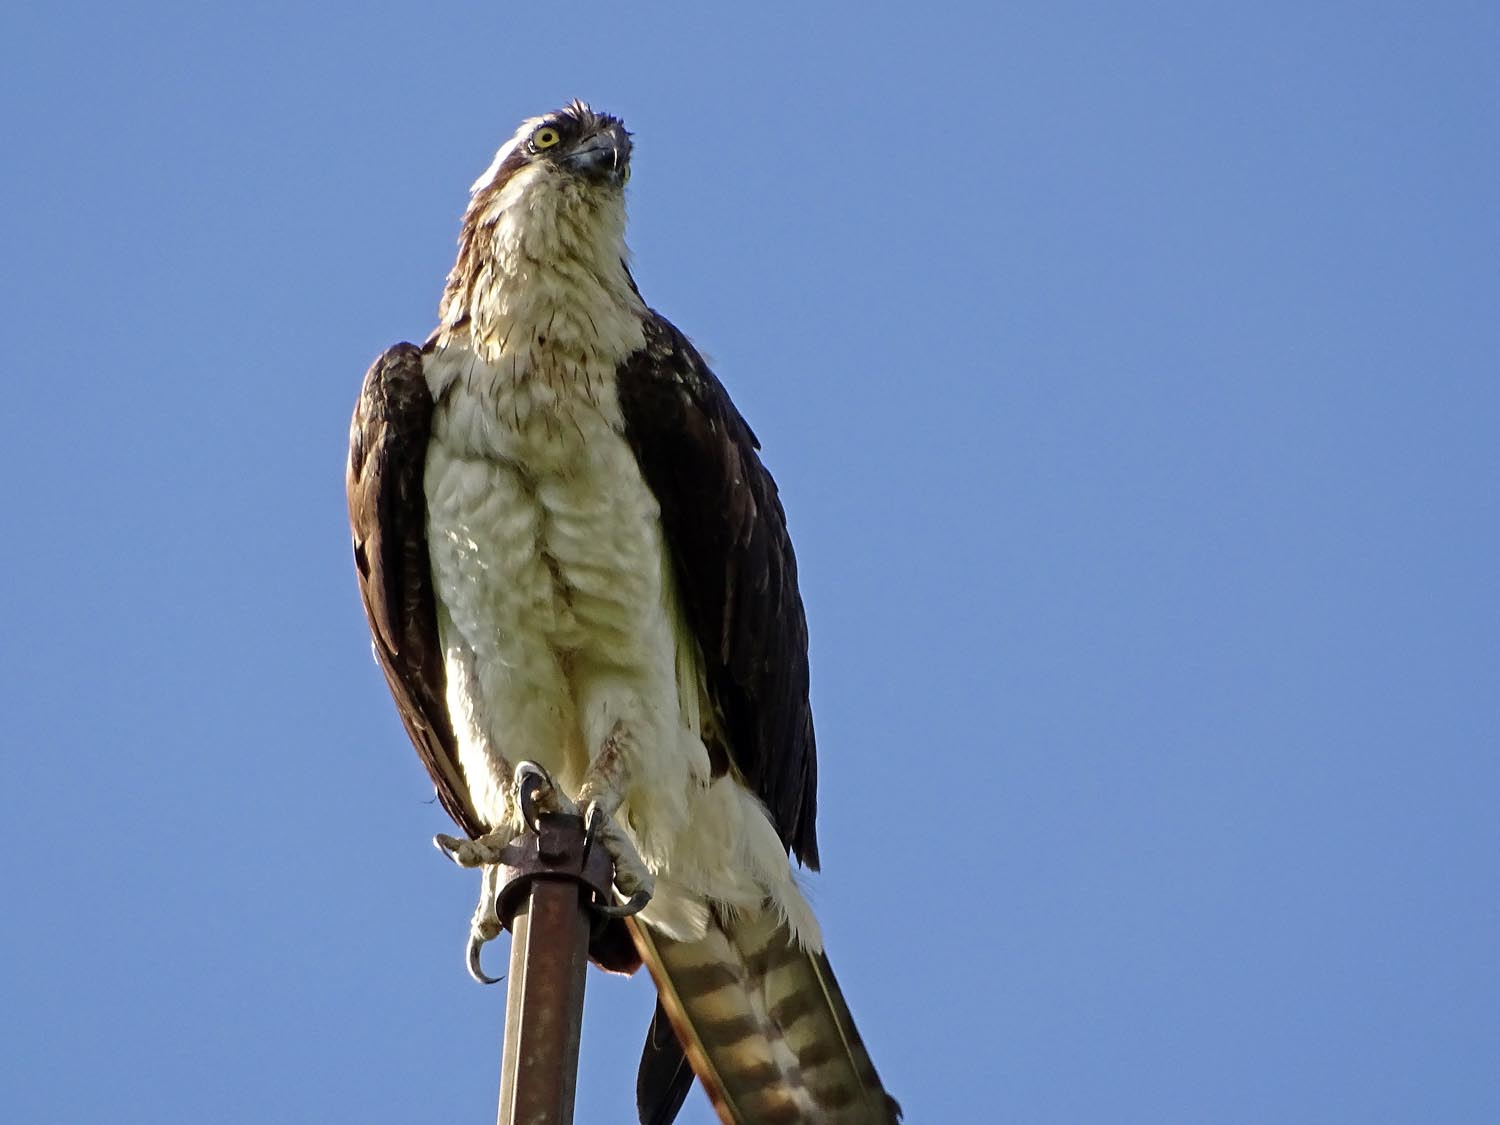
544,1000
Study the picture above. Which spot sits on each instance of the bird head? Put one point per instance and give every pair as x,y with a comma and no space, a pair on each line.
552,197
574,150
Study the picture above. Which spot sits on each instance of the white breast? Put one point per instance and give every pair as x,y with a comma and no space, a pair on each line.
548,565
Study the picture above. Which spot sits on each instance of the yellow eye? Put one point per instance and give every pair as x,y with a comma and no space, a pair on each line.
545,137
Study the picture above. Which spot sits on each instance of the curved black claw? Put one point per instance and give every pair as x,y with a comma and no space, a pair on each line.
475,970
593,824
531,781
633,905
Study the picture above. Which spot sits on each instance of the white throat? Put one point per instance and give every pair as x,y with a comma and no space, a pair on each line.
538,315
546,272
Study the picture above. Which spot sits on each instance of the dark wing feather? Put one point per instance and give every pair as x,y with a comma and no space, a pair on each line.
388,516
726,532
664,1078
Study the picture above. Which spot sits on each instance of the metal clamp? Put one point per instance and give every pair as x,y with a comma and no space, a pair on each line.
557,849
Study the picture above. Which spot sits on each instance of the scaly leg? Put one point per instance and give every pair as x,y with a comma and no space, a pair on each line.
600,795
602,791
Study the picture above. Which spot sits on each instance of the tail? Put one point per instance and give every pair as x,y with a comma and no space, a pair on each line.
764,1025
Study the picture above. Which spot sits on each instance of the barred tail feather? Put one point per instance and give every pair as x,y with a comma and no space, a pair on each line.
764,1026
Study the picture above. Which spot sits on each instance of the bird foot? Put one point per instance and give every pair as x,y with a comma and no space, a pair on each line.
537,794
485,853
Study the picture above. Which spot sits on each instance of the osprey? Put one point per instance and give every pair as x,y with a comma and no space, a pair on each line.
571,555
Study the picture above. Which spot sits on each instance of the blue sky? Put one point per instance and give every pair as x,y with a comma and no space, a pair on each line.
1130,375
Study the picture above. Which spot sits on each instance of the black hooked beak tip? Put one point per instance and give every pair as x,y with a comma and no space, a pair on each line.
605,156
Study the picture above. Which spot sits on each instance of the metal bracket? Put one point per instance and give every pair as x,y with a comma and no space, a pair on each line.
555,851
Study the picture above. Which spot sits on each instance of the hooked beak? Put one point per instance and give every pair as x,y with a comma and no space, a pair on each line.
603,157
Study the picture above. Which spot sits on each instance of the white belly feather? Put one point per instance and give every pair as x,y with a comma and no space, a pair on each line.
560,625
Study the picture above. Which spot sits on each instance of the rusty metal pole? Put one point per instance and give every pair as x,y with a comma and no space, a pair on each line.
545,904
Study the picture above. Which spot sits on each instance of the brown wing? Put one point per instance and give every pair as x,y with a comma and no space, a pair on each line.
388,516
726,533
